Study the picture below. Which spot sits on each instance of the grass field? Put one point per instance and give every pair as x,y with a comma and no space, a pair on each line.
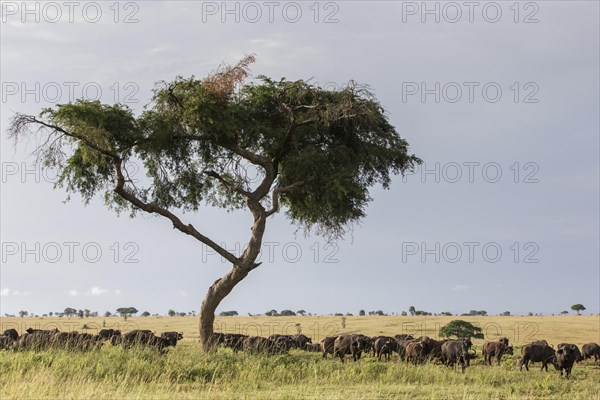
185,372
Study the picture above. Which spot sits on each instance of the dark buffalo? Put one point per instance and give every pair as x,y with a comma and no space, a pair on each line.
6,342
43,331
327,345
38,340
402,343
503,340
495,350
286,343
351,344
385,345
566,357
12,334
135,337
258,344
172,337
432,349
313,347
542,342
144,338
107,334
456,352
217,338
578,355
403,336
235,341
537,353
299,341
414,352
591,350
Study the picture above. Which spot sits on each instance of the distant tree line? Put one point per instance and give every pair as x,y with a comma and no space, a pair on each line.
127,312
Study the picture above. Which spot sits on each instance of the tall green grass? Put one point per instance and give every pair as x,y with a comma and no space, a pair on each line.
187,373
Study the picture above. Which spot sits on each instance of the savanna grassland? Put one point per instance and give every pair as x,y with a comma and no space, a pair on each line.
187,373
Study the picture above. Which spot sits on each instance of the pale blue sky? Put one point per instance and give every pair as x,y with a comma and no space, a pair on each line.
547,141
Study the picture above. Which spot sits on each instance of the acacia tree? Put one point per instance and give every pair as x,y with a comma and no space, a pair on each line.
317,153
578,308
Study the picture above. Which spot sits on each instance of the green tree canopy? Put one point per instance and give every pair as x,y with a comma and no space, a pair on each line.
126,312
199,137
578,308
460,328
69,312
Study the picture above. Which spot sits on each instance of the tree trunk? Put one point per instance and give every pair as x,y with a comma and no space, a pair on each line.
223,286
216,293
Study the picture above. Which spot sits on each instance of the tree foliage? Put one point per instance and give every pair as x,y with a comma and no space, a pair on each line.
228,313
578,308
199,137
126,312
460,329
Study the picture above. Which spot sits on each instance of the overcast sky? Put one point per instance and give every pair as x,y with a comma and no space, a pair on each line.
501,102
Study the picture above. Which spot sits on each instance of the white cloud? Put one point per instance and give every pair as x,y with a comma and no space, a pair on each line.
460,287
117,291
72,292
8,292
183,293
96,291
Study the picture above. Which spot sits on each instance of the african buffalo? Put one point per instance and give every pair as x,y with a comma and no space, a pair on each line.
578,355
496,350
12,334
107,334
258,344
591,350
385,345
432,349
566,357
351,344
43,331
456,352
542,342
172,337
6,342
313,347
235,341
537,353
503,340
300,341
414,352
327,345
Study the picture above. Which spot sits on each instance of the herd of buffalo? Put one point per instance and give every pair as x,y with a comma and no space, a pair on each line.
449,352
40,339
411,350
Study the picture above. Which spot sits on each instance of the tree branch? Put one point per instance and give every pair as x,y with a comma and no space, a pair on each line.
153,208
278,191
227,184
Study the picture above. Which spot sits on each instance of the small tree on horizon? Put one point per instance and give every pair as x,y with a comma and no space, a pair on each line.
69,312
578,308
460,328
126,312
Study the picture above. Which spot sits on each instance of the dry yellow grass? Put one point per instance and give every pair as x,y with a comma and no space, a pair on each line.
556,329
